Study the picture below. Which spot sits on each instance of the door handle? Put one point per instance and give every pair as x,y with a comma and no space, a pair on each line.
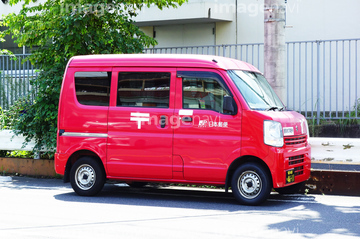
162,121
187,119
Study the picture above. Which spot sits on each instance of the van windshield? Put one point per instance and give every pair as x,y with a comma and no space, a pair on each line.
256,90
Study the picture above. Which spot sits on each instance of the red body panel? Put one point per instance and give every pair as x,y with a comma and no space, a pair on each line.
198,152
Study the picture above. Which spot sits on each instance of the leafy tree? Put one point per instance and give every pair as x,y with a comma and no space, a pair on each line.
60,29
4,51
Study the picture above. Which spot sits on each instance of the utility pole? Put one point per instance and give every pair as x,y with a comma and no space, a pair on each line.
274,46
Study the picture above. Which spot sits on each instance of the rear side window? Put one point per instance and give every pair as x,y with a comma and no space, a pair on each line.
93,88
144,89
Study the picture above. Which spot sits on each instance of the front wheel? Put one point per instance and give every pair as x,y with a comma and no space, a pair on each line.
87,178
251,184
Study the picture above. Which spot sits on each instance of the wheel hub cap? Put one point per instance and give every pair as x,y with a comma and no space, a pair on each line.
249,184
85,177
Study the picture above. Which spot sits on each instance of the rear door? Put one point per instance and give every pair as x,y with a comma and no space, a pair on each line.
206,139
139,133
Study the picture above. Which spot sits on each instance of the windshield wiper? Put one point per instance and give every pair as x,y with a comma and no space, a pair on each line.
275,108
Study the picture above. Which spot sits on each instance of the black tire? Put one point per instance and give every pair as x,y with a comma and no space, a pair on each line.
251,184
87,177
293,189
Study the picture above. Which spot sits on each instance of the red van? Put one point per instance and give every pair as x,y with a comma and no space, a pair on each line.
188,119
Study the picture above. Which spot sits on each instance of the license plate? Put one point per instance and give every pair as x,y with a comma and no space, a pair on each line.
290,176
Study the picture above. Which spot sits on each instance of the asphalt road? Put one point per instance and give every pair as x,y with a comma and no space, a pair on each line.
47,208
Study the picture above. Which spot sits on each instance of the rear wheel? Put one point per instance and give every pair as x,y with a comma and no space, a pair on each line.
87,177
251,184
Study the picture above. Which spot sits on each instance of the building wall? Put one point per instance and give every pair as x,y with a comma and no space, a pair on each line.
323,19
243,21
185,34
204,22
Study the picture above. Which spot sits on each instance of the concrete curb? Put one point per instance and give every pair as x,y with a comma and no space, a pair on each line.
337,166
30,167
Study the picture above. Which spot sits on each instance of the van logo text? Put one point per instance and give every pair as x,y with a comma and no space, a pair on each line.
211,124
139,117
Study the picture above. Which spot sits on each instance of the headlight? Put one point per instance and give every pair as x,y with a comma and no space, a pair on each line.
305,126
273,134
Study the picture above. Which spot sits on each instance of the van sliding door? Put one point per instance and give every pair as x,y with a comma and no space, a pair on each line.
139,131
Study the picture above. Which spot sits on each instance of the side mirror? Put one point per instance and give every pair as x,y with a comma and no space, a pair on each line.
229,105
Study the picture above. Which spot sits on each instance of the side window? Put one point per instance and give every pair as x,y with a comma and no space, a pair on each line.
203,93
93,88
144,89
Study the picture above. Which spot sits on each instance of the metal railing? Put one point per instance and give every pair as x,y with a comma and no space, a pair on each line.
251,53
15,75
322,76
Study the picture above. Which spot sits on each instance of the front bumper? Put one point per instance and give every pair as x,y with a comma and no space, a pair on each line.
292,164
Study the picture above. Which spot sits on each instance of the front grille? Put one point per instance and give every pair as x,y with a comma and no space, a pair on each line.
299,170
296,159
295,140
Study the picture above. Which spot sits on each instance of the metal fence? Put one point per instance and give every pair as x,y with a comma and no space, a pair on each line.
15,75
251,53
322,76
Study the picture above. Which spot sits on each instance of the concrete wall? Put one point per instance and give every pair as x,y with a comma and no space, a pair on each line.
323,19
31,167
185,34
195,11
243,21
